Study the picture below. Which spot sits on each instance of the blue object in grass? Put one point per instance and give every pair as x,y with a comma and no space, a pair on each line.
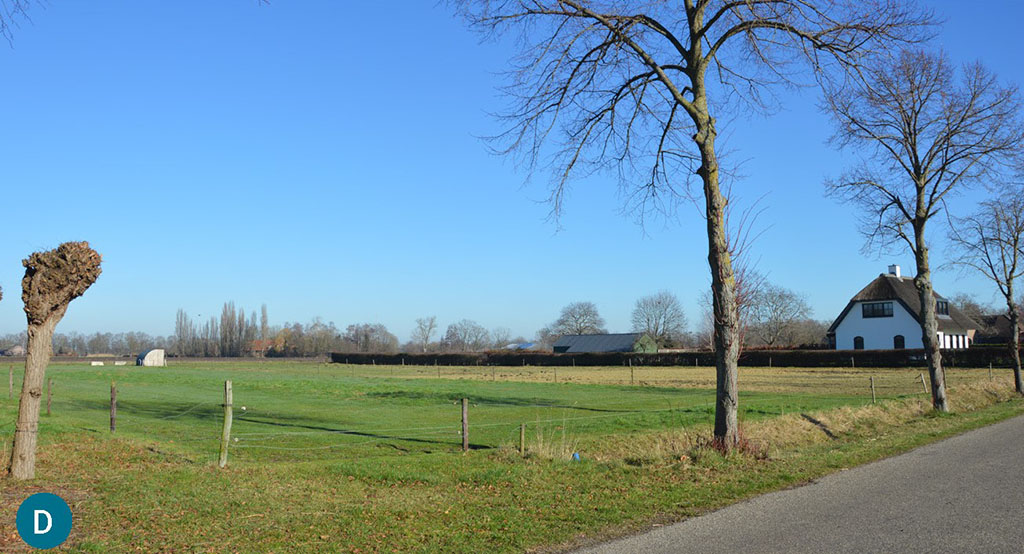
575,456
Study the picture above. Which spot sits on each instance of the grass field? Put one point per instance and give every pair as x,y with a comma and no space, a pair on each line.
332,457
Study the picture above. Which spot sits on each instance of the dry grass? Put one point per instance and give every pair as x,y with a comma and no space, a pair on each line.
888,382
774,436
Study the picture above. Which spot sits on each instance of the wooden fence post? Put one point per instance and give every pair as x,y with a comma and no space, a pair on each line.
465,425
923,384
556,374
113,406
494,376
10,382
225,436
49,394
631,378
522,439
872,389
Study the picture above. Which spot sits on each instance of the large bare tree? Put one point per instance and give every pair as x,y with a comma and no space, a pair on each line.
636,87
425,329
775,313
52,280
661,316
926,132
579,318
991,241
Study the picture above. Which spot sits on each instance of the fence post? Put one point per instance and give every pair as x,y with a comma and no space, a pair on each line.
225,436
465,425
990,371
49,394
556,374
493,375
872,389
852,363
522,439
923,384
113,406
631,375
10,382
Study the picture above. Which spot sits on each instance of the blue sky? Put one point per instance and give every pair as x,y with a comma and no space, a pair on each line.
323,159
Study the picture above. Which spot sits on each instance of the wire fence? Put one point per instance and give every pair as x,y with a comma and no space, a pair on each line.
324,417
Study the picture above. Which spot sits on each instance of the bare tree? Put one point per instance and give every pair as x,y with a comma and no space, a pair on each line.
466,336
661,316
579,318
775,313
991,241
969,305
623,86
369,337
500,337
52,280
927,133
10,12
425,329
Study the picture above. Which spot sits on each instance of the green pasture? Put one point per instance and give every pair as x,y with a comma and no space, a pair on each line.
337,458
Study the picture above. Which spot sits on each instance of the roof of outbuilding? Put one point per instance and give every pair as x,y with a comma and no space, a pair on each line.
615,342
902,290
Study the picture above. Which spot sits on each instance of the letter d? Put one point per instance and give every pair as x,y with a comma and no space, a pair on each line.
49,522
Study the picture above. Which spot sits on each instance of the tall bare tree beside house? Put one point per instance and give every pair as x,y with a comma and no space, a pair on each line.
52,280
623,86
775,313
991,241
926,132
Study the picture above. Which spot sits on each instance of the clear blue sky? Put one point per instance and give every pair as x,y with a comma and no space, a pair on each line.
322,159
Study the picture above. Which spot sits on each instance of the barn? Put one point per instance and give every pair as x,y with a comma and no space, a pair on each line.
151,358
613,342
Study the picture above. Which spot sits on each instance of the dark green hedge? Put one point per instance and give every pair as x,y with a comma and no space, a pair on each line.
973,357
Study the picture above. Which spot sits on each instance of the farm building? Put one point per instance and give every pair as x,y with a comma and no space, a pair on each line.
615,342
16,350
886,315
994,329
151,358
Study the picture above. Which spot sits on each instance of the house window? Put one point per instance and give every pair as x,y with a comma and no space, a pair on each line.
858,343
942,307
899,342
877,309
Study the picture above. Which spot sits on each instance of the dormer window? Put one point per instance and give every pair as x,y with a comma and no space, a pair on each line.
942,307
877,309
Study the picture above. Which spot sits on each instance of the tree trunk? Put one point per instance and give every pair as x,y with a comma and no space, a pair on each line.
40,345
1014,339
929,324
723,288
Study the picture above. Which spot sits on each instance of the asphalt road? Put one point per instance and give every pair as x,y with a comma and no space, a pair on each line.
964,494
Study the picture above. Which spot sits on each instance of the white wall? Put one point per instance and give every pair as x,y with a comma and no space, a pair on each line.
878,332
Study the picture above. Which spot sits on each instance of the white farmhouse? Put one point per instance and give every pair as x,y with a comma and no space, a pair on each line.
886,315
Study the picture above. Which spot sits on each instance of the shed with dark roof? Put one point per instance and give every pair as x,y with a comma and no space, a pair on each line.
612,342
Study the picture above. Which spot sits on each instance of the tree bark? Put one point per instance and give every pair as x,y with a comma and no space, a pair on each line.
1014,339
40,346
723,290
929,324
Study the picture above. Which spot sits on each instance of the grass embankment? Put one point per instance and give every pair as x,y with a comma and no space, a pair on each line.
332,459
